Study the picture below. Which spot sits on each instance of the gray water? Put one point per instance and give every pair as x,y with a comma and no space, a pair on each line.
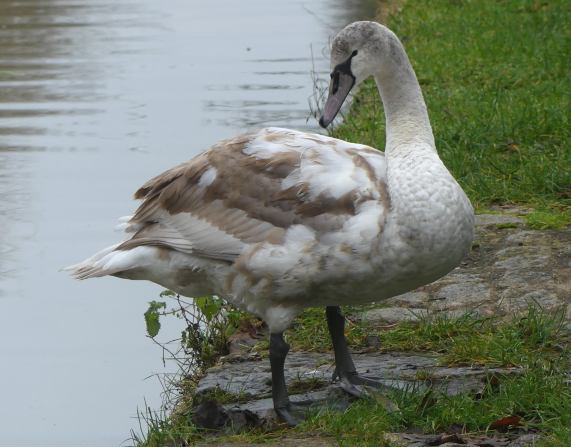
96,96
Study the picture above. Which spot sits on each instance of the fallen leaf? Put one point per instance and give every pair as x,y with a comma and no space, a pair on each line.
503,424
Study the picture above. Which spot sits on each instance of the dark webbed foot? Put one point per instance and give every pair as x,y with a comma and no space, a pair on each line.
364,387
349,380
353,378
286,414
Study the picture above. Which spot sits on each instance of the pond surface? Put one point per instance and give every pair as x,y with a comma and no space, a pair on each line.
97,96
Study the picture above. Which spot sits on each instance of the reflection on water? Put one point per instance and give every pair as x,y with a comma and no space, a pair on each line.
96,96
226,88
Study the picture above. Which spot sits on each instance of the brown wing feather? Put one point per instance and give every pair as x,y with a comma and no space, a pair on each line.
246,200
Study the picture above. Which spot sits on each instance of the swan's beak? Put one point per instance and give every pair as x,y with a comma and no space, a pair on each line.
340,86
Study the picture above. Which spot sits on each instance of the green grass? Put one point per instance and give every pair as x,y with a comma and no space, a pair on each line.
223,397
309,332
495,76
471,340
536,342
465,340
543,219
539,397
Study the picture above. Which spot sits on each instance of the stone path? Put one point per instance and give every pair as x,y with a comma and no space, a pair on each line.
251,379
510,267
395,370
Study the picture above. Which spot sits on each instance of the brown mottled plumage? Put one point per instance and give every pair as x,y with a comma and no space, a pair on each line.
246,200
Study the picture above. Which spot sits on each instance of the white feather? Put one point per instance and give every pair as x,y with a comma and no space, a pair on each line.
332,222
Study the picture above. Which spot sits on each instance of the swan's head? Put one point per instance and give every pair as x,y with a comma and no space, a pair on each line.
355,54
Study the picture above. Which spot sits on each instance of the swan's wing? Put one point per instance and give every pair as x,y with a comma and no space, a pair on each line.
254,188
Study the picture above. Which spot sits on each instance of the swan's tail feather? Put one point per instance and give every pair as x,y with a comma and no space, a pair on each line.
114,261
108,261
97,265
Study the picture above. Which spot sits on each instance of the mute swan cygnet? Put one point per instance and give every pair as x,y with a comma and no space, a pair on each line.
277,220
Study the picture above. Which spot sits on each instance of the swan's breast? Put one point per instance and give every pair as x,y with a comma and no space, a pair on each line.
431,224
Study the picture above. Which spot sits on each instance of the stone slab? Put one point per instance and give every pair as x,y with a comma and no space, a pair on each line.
403,371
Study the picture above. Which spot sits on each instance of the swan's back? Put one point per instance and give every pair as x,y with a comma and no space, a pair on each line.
255,188
275,209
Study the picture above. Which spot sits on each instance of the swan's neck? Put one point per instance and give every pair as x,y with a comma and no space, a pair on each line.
430,221
405,111
416,177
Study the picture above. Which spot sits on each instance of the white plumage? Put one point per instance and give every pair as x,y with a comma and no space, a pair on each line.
277,220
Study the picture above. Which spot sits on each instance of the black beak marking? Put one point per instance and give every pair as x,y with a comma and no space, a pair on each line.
341,76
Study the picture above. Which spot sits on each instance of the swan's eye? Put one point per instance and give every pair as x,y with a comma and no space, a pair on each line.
354,53
331,75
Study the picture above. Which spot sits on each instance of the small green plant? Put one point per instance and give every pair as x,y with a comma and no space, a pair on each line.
222,397
152,317
209,322
554,218
505,226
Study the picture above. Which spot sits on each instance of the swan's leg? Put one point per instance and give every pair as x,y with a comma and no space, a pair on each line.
344,366
278,352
